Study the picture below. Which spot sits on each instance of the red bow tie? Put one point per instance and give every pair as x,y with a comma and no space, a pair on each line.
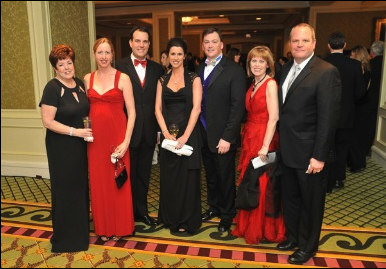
137,62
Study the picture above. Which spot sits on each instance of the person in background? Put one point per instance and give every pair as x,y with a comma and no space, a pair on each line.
234,54
357,149
258,137
190,62
309,104
166,67
165,61
178,101
144,75
63,105
149,56
376,62
108,91
289,56
353,88
283,60
222,110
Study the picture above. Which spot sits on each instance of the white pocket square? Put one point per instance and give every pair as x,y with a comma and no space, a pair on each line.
171,146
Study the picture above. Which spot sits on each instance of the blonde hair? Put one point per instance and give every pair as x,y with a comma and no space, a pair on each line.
360,53
101,41
265,53
304,25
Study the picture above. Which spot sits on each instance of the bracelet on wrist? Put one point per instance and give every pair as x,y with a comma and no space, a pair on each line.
164,131
71,132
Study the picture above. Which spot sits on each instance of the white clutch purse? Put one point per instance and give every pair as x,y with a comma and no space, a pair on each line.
171,146
257,162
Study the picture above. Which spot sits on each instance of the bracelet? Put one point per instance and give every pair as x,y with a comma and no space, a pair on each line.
71,131
164,131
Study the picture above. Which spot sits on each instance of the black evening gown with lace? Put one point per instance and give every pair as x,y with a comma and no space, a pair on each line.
180,181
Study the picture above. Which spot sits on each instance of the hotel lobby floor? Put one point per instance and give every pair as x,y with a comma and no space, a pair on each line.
353,232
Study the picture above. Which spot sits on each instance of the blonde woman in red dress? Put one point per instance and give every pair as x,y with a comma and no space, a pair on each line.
108,91
260,136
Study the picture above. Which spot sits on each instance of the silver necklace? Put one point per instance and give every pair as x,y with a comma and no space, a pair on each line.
177,80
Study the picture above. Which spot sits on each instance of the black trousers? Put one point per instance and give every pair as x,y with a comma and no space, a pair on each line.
303,206
220,178
338,166
141,158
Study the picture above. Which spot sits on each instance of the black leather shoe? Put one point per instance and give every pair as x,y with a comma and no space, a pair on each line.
209,215
356,170
338,184
147,220
225,225
300,257
286,245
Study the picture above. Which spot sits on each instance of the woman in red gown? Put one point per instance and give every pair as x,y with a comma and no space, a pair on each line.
109,91
260,136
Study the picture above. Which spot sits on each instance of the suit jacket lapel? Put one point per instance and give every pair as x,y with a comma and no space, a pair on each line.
284,75
149,71
303,74
131,68
217,70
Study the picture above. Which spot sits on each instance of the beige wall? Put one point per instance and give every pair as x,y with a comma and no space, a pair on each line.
17,88
69,25
29,30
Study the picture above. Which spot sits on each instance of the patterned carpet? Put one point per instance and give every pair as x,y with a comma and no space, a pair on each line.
353,235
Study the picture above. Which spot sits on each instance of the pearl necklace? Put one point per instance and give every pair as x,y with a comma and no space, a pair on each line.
254,87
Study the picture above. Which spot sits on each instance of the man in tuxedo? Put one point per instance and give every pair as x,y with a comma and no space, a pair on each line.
144,75
309,107
222,110
353,88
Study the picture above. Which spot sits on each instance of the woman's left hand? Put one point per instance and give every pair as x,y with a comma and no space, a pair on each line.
181,141
121,150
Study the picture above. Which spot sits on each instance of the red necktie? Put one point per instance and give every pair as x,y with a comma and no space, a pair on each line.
137,62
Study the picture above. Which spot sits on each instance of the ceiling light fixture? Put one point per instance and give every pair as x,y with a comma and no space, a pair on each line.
188,19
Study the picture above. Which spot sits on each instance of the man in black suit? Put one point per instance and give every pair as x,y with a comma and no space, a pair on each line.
309,99
353,88
371,109
222,110
144,75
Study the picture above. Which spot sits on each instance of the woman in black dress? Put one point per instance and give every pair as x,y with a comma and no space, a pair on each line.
63,104
178,101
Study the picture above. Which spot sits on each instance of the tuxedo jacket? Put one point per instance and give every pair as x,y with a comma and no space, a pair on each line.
310,113
353,86
225,102
144,98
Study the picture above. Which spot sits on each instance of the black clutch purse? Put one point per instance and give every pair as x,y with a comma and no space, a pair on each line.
120,173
